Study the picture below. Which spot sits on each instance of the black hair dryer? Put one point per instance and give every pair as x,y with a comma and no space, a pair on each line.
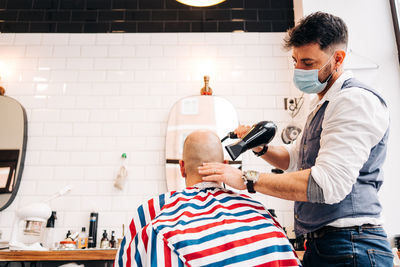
260,134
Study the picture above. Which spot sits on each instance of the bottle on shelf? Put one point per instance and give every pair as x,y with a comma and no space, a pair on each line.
113,242
104,243
92,239
82,239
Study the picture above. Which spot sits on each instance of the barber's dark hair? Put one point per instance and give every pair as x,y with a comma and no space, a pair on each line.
322,28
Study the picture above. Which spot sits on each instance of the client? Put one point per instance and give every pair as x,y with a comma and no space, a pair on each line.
205,224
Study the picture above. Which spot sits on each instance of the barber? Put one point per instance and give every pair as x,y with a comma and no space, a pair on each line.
335,168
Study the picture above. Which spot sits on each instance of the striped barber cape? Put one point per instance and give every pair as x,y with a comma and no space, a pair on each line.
205,227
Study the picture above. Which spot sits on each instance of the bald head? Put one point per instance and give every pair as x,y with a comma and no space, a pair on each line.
200,146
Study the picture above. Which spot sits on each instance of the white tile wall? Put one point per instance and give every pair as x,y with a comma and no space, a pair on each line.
92,97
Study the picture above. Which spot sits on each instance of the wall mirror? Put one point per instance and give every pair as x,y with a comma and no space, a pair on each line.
13,138
193,113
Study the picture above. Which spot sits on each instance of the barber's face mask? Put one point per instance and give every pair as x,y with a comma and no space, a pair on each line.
307,80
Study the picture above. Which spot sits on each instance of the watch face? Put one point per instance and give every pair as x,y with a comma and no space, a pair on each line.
252,175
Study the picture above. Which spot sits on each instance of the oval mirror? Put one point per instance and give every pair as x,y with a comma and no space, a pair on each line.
193,113
13,138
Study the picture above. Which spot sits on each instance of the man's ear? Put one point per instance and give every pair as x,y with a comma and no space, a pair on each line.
339,57
182,167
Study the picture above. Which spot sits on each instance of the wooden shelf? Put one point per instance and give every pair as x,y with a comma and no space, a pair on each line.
70,255
59,255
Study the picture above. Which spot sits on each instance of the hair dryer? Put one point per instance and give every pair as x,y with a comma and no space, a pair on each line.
260,134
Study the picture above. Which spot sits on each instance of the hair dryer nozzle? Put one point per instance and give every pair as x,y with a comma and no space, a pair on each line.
236,149
260,134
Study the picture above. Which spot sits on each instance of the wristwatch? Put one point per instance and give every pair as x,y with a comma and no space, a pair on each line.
262,152
250,178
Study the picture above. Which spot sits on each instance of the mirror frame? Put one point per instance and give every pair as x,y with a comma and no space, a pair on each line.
22,162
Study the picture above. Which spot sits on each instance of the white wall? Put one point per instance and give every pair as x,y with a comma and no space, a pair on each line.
92,97
371,35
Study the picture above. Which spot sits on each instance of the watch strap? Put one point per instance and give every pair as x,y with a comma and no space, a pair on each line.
262,152
250,187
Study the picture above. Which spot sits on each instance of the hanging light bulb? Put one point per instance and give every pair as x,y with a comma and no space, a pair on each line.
201,3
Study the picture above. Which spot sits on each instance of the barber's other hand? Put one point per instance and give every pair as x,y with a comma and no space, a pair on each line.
219,172
242,130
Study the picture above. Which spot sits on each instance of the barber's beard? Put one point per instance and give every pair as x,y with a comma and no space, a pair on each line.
326,72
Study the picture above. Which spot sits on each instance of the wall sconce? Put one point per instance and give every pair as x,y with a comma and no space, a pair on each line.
200,3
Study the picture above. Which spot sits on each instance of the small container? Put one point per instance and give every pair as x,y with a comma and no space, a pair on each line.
105,243
113,241
82,239
67,244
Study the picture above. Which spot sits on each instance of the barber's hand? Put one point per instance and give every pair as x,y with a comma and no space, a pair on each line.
242,130
219,172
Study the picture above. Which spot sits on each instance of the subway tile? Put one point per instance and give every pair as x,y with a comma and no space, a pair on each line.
135,63
83,158
50,63
27,39
162,63
175,27
98,172
164,15
109,39
74,115
35,129
133,115
107,63
191,38
124,51
231,51
39,51
55,39
37,172
117,129
71,143
248,38
97,27
119,102
101,143
258,50
274,63
79,63
101,115
120,76
42,143
94,51
35,76
45,115
164,39
67,51
8,15
149,51
177,51
7,38
54,158
87,129
91,76
204,26
55,16
90,102
136,38
105,88
64,76
82,39
90,203
57,129
218,38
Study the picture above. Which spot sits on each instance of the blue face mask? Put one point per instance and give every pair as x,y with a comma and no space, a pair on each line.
307,80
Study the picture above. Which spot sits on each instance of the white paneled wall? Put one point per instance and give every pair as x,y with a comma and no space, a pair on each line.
91,97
